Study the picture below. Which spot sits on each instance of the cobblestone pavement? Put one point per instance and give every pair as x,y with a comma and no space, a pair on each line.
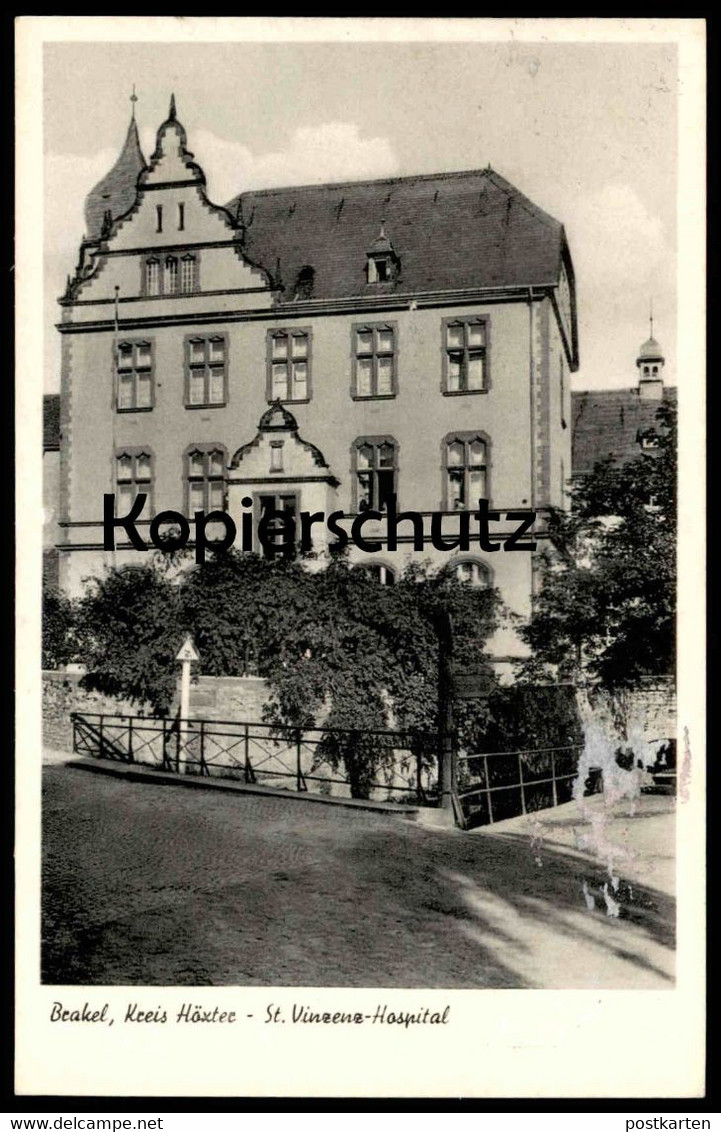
154,885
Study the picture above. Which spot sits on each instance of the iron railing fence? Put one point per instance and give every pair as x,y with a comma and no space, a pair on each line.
490,786
294,758
495,785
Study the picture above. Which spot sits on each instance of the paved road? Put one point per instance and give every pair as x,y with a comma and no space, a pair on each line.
155,885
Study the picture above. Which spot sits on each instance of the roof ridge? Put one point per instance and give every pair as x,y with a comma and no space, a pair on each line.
456,173
525,202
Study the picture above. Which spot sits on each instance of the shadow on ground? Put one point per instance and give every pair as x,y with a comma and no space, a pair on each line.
154,886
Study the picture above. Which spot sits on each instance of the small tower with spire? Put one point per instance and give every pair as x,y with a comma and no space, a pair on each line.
117,191
650,362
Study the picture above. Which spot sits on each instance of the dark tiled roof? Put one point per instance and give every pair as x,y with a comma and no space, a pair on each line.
117,191
51,422
449,231
608,422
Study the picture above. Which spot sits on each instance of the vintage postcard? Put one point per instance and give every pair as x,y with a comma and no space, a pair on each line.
360,386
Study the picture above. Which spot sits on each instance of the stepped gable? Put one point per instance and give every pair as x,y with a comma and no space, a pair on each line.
448,230
117,191
609,422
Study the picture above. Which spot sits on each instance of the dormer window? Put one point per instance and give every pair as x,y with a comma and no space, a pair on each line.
382,261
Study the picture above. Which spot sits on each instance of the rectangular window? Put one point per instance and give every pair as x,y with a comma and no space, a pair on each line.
465,355
276,456
133,474
206,480
181,217
466,471
159,215
376,472
374,365
152,277
288,365
170,281
188,274
206,370
134,376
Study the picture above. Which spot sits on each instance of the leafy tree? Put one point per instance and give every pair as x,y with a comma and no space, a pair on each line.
129,631
367,655
607,603
335,646
59,644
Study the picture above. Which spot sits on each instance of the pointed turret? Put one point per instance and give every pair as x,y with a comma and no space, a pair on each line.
116,193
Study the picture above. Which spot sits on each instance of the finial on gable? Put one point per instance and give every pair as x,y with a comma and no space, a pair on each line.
171,112
133,99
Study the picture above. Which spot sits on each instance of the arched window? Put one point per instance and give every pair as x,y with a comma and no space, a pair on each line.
473,572
152,277
466,470
170,283
188,280
376,471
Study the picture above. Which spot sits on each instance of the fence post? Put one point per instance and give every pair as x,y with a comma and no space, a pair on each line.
298,775
102,748
553,778
203,768
446,723
488,791
520,779
74,721
246,768
130,739
419,773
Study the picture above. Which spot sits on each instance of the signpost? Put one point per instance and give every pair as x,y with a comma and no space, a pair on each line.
187,655
469,684
446,743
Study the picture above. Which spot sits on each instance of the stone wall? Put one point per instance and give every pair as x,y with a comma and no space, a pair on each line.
645,715
222,697
228,697
62,695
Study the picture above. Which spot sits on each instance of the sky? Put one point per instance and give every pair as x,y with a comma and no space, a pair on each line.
588,131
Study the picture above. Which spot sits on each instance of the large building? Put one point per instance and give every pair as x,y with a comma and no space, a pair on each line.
619,424
316,349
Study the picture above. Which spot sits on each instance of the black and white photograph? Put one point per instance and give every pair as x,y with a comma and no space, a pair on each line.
368,383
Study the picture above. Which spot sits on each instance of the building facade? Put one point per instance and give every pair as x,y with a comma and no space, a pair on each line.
51,482
620,424
316,349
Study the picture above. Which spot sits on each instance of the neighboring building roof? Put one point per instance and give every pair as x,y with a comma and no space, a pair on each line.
448,230
117,191
608,422
51,422
650,352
